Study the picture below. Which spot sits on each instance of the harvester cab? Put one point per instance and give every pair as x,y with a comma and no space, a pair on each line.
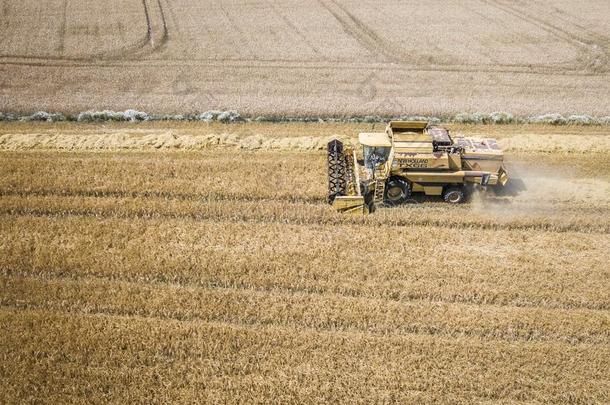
410,157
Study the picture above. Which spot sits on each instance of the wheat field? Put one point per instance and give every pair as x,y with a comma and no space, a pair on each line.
162,272
294,57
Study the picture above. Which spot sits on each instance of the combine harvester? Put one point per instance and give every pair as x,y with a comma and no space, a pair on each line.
410,157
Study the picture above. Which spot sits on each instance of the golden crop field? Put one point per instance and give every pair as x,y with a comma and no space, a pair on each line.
185,262
294,57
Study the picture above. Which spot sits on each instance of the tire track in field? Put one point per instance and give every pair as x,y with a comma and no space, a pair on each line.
358,30
294,28
6,11
243,37
601,42
597,60
152,41
5,21
558,32
149,31
164,28
376,45
62,28
128,57
292,64
567,19
155,38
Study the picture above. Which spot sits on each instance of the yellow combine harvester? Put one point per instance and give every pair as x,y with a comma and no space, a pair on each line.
410,157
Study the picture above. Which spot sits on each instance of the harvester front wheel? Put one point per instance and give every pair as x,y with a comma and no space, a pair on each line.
397,191
369,200
454,195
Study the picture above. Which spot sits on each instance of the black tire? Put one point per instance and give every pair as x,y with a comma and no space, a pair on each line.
454,195
369,200
397,191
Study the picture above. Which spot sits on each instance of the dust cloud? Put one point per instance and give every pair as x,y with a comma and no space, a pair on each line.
543,192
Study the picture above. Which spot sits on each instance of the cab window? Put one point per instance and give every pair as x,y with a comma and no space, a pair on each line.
375,155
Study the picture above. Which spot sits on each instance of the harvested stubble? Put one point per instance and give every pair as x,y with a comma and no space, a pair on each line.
158,360
223,276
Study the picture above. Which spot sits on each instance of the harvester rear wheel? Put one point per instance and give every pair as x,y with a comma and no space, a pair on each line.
454,195
397,191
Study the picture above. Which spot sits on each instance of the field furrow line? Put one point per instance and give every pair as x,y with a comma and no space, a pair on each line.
288,290
265,361
322,312
287,219
450,264
164,195
327,326
304,201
